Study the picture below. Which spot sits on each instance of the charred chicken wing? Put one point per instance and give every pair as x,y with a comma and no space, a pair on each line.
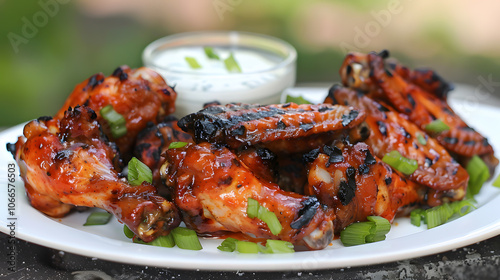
67,161
389,131
139,95
212,187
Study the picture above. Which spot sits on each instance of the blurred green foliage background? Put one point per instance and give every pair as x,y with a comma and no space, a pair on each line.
48,46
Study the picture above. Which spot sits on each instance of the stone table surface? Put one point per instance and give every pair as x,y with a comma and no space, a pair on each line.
477,261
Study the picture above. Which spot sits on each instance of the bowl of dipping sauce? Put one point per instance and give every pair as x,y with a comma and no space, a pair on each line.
227,67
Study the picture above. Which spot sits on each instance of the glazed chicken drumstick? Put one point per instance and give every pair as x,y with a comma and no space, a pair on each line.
66,162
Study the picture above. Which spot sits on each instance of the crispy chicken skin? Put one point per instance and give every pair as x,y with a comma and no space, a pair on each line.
356,184
67,161
370,74
282,128
139,95
212,187
388,131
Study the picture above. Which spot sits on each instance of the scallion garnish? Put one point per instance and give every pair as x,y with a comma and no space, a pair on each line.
228,245
441,214
297,100
231,64
175,145
192,62
421,139
400,163
252,208
264,214
98,218
209,51
247,247
365,232
186,238
128,233
278,247
478,174
138,172
496,183
163,241
116,122
436,126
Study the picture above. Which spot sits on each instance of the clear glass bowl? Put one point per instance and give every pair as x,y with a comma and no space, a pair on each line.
268,67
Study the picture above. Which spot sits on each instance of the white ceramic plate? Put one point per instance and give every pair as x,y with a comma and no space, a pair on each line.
403,241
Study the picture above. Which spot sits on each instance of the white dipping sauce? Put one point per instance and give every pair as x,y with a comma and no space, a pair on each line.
264,75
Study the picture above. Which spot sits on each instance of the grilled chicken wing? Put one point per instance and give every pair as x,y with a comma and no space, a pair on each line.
389,131
140,96
153,140
66,162
212,187
350,180
281,128
373,77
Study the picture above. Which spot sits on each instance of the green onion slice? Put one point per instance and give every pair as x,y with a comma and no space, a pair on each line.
209,51
278,247
175,145
356,233
421,139
436,126
402,164
441,214
128,233
138,172
247,247
254,209
228,245
186,238
98,218
496,183
192,62
231,64
116,122
297,100
365,232
478,174
163,241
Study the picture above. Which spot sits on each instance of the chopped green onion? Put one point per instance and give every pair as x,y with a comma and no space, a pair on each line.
436,126
231,64
400,163
297,100
252,208
138,172
378,232
416,217
441,214
209,51
478,174
116,122
278,247
247,247
98,218
163,241
365,232
228,245
128,233
186,238
175,145
192,62
421,139
496,183
356,233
